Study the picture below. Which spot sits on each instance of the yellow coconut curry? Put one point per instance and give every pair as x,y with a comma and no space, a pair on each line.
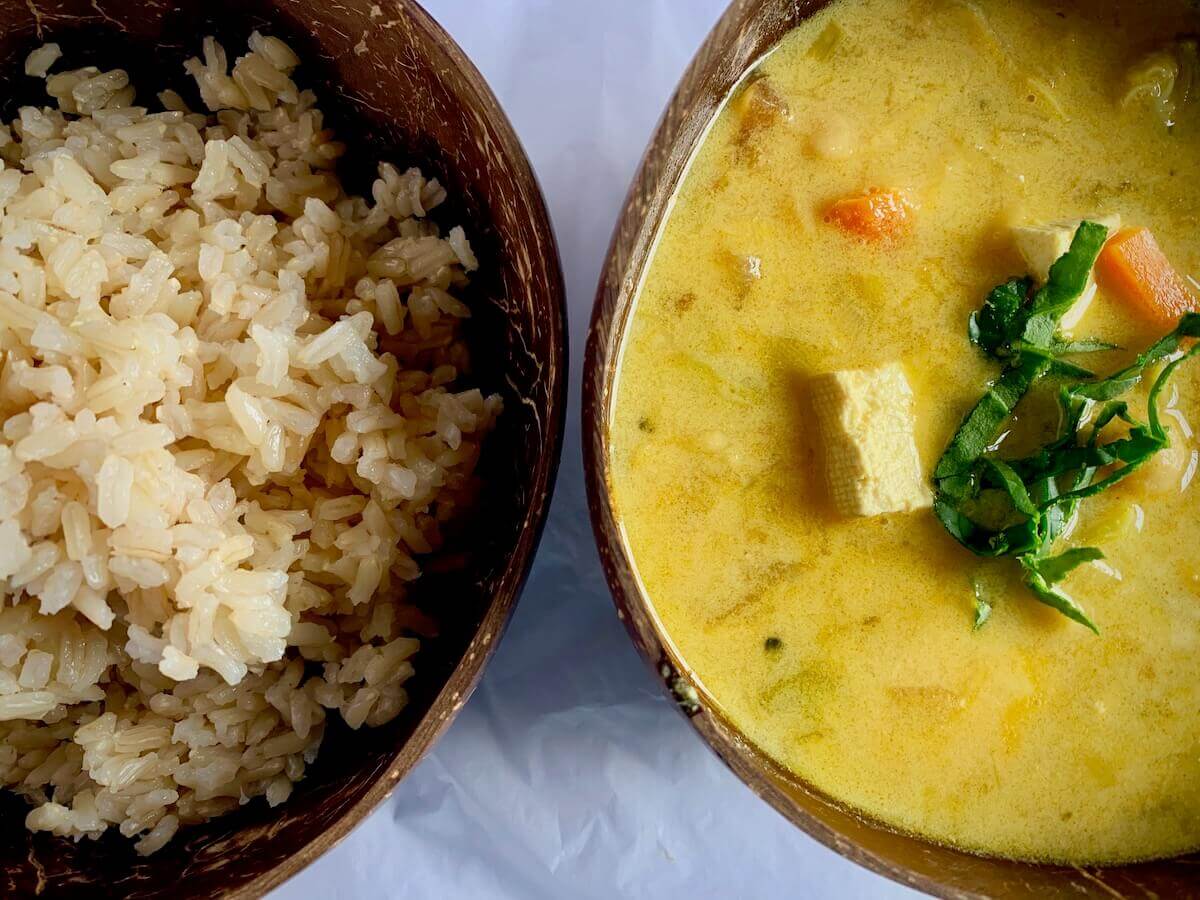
902,439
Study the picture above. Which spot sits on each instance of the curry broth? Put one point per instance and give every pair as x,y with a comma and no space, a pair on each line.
1031,737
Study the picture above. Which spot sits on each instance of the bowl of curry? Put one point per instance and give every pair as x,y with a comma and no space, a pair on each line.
889,405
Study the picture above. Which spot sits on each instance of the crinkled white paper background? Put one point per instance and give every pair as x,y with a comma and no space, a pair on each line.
568,775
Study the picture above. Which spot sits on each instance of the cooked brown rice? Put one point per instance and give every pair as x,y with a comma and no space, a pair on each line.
230,426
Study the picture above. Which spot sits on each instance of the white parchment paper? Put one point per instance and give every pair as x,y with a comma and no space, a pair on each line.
568,775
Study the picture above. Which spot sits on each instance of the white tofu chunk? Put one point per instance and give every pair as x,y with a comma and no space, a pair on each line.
1042,245
866,424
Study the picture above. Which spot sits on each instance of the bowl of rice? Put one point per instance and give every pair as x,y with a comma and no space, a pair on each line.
282,381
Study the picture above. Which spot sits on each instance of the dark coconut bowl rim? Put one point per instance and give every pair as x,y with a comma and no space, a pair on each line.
518,338
746,32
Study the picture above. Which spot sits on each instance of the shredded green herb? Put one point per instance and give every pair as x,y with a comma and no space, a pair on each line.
1018,327
983,609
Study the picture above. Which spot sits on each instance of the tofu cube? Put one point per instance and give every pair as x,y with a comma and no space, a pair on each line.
866,424
1042,245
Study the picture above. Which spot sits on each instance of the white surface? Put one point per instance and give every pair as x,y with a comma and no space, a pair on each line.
568,775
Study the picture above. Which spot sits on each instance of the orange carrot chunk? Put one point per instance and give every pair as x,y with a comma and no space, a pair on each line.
877,215
1134,269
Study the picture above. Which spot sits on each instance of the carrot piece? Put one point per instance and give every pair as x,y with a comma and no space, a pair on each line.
877,215
1134,269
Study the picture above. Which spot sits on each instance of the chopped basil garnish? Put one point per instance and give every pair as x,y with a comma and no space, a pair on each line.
983,609
1018,327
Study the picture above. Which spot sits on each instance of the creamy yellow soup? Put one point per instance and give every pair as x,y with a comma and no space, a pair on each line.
844,647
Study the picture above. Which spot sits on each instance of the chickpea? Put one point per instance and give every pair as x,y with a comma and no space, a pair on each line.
833,137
